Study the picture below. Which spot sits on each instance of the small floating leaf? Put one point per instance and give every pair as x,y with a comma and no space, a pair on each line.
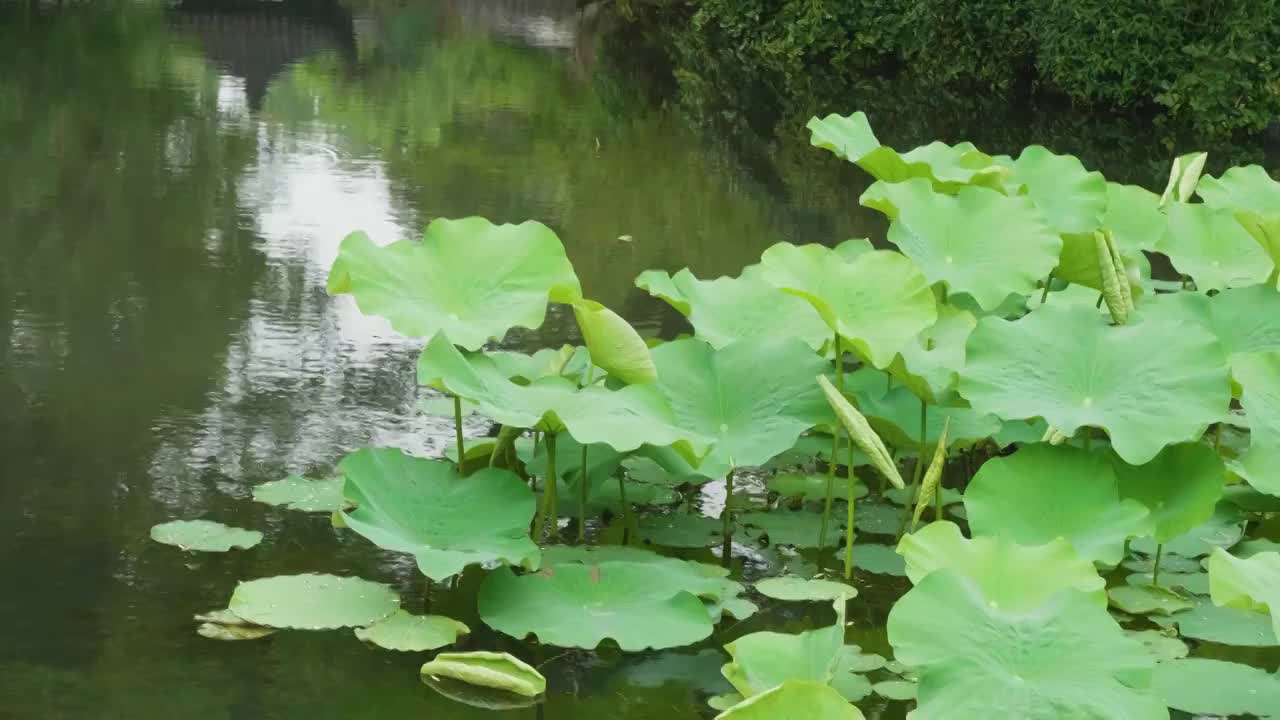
896,689
233,633
799,589
680,530
878,559
498,671
1148,600
1162,647
1213,687
1223,529
313,602
412,633
799,528
298,493
1224,625
204,536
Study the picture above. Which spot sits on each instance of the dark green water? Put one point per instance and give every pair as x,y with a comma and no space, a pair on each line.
173,186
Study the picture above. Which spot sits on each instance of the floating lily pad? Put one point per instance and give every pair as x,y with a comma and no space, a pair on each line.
478,697
233,633
1149,384
405,632
498,671
1251,584
1012,576
799,528
446,521
812,486
753,399
1180,487
1224,529
1161,646
900,690
572,605
1224,625
851,686
700,670
313,602
1214,687
853,660
877,302
1043,492
794,699
764,660
298,493
1196,583
1068,658
878,559
204,536
798,589
469,278
874,518
724,701
680,530
1168,563
978,241
1148,600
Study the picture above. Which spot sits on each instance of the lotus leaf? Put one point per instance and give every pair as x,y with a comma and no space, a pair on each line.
1180,487
810,486
790,588
879,559
1213,248
623,419
613,344
204,536
573,605
1259,374
1148,600
726,310
851,686
799,528
405,632
476,696
979,242
1134,218
1251,584
1071,199
446,521
1248,188
298,493
947,167
1013,577
602,460
604,494
875,518
700,670
1223,529
929,366
547,362
753,399
877,302
1223,625
1183,177
794,699
1169,563
1043,492
1266,230
680,530
896,417
1195,583
904,496
1149,384
469,278
498,671
1161,646
1249,548
900,690
313,602
661,285
1214,687
441,406
764,660
1064,659
853,660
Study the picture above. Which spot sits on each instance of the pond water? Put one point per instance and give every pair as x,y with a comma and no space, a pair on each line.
174,183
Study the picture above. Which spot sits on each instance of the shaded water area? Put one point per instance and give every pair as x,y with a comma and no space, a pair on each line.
174,183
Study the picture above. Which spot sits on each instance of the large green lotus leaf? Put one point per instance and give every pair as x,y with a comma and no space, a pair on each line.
405,632
1251,584
613,344
1214,687
930,364
547,362
573,605
1044,492
313,602
498,671
978,242
1066,659
1180,487
907,496
726,310
1071,199
1245,320
1265,228
604,494
799,528
878,301
298,493
895,416
1223,625
1149,384
1222,530
753,399
947,167
794,700
1014,577
791,588
1246,188
204,536
766,659
660,285
1134,218
446,521
1213,248
602,460
469,278
624,419
1078,265
709,582
1259,375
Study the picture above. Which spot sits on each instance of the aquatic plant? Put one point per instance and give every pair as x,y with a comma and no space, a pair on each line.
1062,436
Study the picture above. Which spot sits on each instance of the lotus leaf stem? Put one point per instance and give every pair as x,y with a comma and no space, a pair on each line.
582,498
457,425
1155,569
626,509
913,490
1044,296
1217,439
548,491
848,530
726,518
831,483
839,364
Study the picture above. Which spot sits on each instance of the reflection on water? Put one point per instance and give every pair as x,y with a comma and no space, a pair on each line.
174,182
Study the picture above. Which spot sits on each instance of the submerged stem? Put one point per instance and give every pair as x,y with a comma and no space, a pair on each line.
1155,570
726,518
831,485
457,425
